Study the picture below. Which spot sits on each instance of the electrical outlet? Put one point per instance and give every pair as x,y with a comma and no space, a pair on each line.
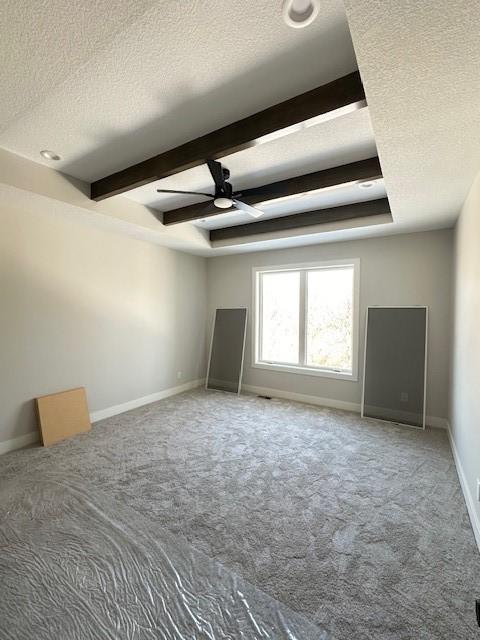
179,375
478,489
404,396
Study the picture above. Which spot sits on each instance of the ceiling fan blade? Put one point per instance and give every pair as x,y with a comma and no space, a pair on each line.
207,212
216,170
243,206
188,193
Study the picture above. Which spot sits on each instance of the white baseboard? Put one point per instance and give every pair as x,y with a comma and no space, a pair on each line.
437,423
469,499
302,397
18,443
95,416
432,421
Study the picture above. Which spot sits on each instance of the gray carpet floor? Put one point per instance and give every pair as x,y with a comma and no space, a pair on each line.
359,525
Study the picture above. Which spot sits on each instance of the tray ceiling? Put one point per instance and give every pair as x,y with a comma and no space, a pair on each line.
136,79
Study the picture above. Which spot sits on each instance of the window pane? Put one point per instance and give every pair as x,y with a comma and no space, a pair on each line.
330,318
280,317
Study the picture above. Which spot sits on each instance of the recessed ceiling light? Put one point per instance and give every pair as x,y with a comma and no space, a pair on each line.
50,155
367,185
300,13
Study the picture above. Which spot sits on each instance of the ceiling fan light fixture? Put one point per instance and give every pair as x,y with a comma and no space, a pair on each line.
300,13
222,203
224,197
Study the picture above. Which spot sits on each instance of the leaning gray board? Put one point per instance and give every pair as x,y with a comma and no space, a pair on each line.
395,364
227,348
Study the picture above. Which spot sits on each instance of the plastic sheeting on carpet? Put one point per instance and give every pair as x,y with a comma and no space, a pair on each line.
81,567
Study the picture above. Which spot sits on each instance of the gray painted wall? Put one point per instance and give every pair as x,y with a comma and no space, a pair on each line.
465,399
81,306
397,270
84,306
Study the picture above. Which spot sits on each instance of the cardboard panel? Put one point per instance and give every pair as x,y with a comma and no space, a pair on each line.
63,415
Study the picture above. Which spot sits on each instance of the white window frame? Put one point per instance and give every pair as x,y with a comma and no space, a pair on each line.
302,268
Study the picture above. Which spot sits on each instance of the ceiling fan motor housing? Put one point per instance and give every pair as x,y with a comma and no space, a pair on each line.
226,191
224,197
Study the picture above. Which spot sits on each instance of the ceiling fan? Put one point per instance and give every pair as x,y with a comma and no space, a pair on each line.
224,196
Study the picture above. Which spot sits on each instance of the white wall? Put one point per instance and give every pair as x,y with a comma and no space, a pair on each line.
465,398
81,306
396,270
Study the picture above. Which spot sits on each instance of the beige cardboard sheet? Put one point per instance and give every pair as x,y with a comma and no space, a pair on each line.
63,415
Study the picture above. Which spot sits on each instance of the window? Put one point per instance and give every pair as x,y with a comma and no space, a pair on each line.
306,318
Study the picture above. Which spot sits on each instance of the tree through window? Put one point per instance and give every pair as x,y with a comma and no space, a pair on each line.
305,317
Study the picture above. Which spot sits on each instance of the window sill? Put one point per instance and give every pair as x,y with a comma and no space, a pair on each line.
306,371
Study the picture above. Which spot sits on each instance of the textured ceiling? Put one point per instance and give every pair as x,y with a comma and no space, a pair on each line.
107,84
160,73
420,65
43,42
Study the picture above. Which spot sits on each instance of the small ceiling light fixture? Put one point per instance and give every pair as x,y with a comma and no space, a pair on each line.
300,13
50,155
367,185
223,203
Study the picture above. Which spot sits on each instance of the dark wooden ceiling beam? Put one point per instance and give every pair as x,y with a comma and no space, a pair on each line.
363,170
248,132
302,220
